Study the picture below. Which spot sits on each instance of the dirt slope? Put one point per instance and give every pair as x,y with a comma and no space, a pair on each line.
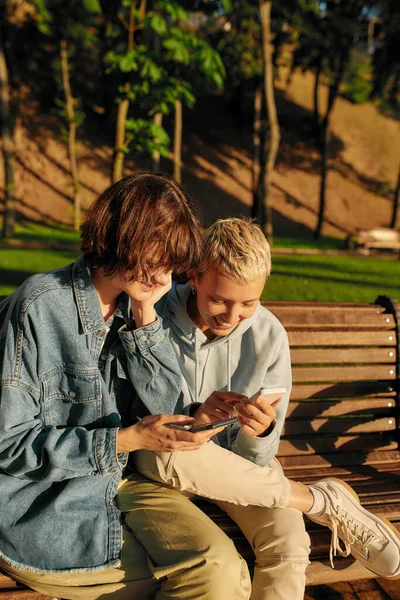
364,158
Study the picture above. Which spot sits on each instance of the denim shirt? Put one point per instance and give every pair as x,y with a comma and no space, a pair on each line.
68,382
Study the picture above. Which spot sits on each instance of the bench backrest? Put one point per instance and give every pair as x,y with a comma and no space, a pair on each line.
344,408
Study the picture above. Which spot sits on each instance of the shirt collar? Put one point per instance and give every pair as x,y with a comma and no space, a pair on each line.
88,301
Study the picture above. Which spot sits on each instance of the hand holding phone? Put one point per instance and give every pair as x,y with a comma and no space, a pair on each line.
270,395
204,426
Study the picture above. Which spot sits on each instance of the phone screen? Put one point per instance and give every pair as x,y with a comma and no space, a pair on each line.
205,426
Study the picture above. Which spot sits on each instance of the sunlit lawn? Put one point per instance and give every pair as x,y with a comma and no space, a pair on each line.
332,278
294,277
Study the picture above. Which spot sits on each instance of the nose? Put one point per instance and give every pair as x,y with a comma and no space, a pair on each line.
232,314
162,277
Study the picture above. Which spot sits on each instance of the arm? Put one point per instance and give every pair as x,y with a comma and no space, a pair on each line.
260,449
152,366
28,448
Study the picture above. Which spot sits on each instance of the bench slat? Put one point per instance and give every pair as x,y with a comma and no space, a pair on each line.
336,408
344,459
342,338
334,355
339,425
384,474
344,373
312,444
343,390
311,318
323,306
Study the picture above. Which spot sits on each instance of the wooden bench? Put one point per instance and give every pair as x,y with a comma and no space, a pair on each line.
343,418
379,238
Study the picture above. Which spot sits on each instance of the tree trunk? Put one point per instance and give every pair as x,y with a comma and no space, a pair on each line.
69,101
324,141
256,167
6,124
326,135
316,123
155,163
178,141
123,107
119,154
394,220
274,137
158,117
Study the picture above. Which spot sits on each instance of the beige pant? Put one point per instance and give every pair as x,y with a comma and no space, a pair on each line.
184,555
256,499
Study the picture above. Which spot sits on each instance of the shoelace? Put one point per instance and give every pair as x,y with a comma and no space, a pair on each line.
350,533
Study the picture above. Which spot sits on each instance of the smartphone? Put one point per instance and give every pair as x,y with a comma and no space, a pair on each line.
205,426
268,394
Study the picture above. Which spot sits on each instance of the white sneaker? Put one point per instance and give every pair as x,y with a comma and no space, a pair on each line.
373,541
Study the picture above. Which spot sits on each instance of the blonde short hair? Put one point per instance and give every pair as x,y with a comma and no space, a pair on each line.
237,248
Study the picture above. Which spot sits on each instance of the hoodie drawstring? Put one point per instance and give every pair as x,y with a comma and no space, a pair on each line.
228,386
196,367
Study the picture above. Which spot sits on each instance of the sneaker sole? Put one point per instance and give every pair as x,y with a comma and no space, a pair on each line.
383,519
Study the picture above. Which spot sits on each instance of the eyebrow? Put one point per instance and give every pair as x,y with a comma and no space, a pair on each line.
217,297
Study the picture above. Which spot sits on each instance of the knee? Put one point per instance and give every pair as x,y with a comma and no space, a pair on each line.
285,536
225,571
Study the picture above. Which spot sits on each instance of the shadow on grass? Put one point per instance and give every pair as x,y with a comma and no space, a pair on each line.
337,280
9,277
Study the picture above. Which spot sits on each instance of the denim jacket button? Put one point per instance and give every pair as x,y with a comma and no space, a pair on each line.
72,394
103,357
142,338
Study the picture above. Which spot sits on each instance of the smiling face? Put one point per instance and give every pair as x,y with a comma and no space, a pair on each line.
222,302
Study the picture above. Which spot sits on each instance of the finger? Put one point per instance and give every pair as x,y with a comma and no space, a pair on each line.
261,407
181,419
276,402
249,411
229,396
221,408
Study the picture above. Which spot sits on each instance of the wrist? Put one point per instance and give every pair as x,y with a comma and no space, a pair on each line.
142,314
128,439
269,430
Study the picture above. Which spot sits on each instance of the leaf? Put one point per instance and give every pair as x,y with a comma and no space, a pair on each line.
92,6
227,5
158,24
178,51
128,63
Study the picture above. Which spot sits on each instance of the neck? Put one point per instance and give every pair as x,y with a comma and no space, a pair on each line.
194,314
107,292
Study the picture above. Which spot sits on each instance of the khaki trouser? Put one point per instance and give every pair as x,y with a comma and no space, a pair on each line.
184,555
256,499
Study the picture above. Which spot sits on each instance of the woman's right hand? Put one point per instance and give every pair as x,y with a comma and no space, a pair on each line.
218,406
152,433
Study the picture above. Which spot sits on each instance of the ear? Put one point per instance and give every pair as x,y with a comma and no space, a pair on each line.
192,277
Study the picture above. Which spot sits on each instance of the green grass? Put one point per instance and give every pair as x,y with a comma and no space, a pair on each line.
33,232
325,243
294,277
18,264
332,278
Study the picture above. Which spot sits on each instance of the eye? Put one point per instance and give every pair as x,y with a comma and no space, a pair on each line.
216,301
248,304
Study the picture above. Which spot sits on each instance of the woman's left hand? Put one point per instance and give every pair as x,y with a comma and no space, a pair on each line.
256,417
143,301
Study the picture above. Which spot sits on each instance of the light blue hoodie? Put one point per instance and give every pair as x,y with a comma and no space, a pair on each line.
254,355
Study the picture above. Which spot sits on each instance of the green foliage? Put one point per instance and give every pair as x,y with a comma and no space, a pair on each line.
240,45
168,62
146,137
357,84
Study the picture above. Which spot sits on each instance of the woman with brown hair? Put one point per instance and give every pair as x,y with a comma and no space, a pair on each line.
87,376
